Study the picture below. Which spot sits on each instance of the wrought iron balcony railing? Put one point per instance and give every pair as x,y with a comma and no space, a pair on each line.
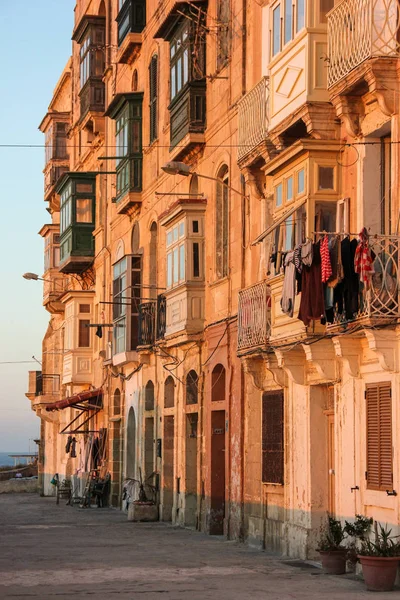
380,301
147,323
152,321
359,30
254,316
253,118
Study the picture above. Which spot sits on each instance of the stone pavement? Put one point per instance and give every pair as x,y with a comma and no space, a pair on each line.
59,552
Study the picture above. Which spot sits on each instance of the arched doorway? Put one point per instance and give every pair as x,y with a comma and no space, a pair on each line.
218,389
131,444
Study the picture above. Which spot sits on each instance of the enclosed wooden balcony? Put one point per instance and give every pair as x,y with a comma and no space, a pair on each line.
359,30
253,122
152,321
254,317
378,304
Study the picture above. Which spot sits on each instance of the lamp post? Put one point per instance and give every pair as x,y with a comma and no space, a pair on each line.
33,277
179,168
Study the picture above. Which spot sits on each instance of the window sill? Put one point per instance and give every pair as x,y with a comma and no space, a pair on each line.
128,201
129,48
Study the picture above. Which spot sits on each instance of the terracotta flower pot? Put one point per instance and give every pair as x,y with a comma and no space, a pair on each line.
379,572
334,561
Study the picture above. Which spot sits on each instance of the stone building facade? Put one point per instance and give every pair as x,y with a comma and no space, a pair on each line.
168,356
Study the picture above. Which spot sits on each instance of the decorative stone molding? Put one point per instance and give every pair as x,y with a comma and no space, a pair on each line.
293,363
321,356
384,344
348,350
264,371
349,109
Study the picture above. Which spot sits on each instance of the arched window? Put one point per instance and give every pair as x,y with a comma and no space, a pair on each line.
223,16
222,223
153,261
135,239
117,403
194,185
192,387
218,383
135,81
153,77
149,396
131,444
102,9
169,393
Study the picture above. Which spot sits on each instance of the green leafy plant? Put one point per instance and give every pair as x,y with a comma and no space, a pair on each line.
359,528
384,543
332,536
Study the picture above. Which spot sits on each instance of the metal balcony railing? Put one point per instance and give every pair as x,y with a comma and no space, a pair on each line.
161,316
254,316
253,118
147,323
359,30
381,300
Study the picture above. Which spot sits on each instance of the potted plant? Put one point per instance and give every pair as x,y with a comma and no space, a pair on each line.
144,507
359,532
333,553
380,559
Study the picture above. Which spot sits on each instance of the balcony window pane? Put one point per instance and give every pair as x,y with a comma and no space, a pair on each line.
175,233
300,182
181,229
185,66
325,178
120,336
169,269
173,90
289,189
196,260
278,195
56,257
300,19
84,333
325,216
83,210
181,262
176,265
288,234
169,238
288,20
179,75
276,30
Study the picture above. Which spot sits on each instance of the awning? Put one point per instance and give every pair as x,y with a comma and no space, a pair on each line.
76,400
279,221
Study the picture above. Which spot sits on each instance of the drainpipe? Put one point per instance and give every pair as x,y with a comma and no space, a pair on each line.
244,45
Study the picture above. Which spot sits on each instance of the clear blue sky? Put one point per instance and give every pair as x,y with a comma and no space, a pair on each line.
35,43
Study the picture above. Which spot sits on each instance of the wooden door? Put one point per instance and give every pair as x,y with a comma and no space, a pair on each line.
217,472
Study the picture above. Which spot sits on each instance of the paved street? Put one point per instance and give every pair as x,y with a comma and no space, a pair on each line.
50,551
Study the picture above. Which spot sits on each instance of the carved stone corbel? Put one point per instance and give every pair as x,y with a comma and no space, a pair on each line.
382,80
276,371
348,350
253,182
384,345
254,366
264,371
321,357
293,363
349,109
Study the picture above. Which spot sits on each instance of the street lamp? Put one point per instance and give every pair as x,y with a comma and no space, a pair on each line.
175,167
33,276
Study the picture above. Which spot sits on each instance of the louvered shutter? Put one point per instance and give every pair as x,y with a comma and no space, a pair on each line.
153,76
61,140
379,436
272,437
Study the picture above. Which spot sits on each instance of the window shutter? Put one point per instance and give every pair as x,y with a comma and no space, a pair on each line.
153,75
61,140
272,437
379,436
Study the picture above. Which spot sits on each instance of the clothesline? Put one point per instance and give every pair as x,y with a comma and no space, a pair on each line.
341,233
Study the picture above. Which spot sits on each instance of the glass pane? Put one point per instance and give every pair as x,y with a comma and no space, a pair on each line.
84,333
173,90
300,182
288,241
288,20
169,269
300,20
276,30
195,227
181,262
175,233
176,265
181,229
185,66
278,195
196,260
289,189
83,210
325,178
179,75
325,216
169,237
56,257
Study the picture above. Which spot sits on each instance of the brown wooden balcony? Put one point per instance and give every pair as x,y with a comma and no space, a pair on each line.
359,30
254,317
253,122
152,321
380,303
